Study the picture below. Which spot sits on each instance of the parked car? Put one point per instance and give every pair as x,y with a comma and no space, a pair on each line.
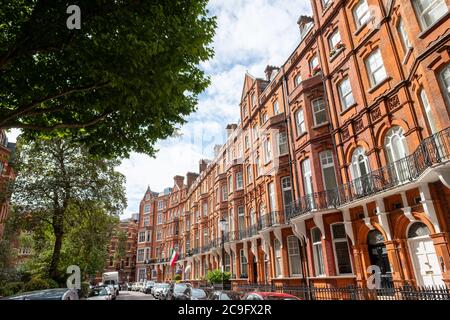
48,294
159,288
135,286
269,296
111,278
199,294
179,291
149,286
225,295
101,293
152,290
126,286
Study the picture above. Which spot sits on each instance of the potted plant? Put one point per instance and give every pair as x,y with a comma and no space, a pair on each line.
316,70
217,278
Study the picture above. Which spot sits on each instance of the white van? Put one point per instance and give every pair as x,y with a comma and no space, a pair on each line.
111,279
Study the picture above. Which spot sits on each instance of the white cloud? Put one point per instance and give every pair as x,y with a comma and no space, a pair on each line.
249,36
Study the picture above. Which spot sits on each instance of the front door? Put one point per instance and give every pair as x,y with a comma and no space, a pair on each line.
426,263
378,257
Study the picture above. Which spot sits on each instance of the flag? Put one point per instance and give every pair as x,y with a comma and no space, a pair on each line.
173,257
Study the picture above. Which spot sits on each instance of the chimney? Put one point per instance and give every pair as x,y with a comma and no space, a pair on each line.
191,176
271,72
217,150
178,180
230,128
202,164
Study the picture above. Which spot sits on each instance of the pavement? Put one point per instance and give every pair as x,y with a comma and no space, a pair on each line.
132,295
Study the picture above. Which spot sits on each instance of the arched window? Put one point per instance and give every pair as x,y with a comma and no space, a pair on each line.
418,229
294,256
395,144
252,217
360,163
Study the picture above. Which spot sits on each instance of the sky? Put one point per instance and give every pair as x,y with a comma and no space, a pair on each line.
250,35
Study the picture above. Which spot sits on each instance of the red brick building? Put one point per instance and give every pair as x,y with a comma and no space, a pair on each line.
340,162
126,265
7,174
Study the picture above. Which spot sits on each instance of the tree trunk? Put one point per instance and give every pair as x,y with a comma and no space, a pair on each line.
58,229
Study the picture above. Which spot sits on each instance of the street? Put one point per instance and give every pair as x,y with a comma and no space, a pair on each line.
132,295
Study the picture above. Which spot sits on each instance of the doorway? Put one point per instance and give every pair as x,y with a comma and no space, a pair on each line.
423,255
378,257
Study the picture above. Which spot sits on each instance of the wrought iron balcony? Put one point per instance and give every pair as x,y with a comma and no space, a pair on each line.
270,219
431,151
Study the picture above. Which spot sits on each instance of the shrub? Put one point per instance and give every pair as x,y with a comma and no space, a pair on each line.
84,292
40,284
216,276
177,277
11,288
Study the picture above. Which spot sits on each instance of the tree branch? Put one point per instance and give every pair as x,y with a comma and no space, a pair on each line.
61,125
25,110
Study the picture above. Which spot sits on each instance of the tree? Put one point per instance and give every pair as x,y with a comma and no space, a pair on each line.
57,178
121,248
128,77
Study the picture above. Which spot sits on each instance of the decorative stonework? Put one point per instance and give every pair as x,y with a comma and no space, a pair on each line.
375,114
393,103
345,133
359,125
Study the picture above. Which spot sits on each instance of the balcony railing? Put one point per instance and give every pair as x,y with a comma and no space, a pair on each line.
431,151
270,219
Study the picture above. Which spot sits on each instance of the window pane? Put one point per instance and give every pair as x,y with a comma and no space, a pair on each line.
320,115
343,257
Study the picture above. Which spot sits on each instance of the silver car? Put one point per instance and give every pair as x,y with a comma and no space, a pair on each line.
48,294
101,293
159,288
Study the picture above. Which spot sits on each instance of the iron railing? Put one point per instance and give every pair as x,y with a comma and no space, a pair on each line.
270,219
431,151
351,292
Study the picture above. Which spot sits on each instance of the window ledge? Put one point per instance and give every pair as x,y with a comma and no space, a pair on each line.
361,27
327,8
377,86
348,109
336,54
428,30
407,55
321,125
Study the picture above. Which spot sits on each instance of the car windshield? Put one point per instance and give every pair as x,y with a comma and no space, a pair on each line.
198,293
230,296
180,288
165,285
98,292
109,282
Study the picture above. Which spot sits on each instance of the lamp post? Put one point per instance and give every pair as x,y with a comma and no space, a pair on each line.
223,225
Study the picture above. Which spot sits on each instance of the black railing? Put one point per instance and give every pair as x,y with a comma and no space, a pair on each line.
431,151
270,219
351,292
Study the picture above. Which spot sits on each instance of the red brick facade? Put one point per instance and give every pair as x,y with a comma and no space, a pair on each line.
126,266
7,174
340,161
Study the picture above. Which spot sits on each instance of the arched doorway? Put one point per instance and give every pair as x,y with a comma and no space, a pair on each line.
378,257
423,255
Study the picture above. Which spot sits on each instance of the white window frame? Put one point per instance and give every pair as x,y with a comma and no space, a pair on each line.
374,65
239,181
325,157
243,261
272,197
286,186
319,108
297,79
267,150
278,258
249,174
300,122
334,39
141,237
335,240
282,143
428,113
361,17
444,79
140,254
319,265
276,107
421,12
403,34
346,97
293,241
